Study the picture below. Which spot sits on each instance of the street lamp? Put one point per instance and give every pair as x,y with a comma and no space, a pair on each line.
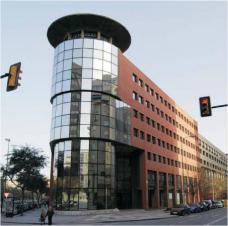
182,155
7,159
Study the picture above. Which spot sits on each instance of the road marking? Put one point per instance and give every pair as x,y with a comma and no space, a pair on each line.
215,221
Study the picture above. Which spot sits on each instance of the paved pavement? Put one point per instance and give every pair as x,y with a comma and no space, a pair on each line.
32,217
126,217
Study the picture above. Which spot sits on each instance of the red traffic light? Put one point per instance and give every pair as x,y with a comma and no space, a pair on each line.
13,77
205,106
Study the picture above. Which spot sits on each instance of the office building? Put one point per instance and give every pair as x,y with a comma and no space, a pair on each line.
117,139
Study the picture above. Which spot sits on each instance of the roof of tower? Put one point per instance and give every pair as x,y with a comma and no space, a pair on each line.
110,28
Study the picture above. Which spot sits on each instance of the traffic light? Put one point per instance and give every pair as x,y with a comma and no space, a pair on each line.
13,77
205,106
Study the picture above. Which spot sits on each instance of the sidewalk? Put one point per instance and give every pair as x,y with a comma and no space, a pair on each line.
32,217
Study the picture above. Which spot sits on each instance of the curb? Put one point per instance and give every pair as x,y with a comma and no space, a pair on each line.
143,219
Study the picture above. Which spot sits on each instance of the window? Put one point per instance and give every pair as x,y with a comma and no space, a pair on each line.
154,157
161,99
148,137
157,96
154,140
135,95
158,126
165,103
159,142
148,120
151,92
146,87
162,114
141,82
153,123
148,156
136,132
135,113
142,136
142,117
147,104
152,107
164,160
141,100
134,78
159,158
158,111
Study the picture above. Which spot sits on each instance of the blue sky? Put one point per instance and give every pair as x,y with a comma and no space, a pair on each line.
181,46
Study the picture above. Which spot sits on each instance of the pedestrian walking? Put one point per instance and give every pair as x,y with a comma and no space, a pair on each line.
42,216
50,214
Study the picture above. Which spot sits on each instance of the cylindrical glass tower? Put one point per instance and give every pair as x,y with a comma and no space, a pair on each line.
88,118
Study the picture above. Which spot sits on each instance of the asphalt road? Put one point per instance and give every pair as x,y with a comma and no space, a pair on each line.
211,217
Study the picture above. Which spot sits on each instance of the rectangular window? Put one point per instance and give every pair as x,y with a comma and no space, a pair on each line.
158,111
135,113
158,126
164,161
142,117
154,140
163,129
134,78
142,136
161,99
147,104
168,161
151,92
162,114
148,137
141,100
153,123
152,107
136,132
141,82
157,96
165,103
148,120
159,158
154,157
135,95
148,156
159,142
146,87
169,105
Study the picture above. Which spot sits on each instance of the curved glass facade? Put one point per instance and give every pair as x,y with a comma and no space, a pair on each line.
87,120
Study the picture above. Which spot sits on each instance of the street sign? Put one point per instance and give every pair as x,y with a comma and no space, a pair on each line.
6,194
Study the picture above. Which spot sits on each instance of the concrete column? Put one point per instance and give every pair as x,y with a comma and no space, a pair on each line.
82,34
175,190
99,35
158,190
167,190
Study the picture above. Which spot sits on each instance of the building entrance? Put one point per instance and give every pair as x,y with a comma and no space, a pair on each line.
128,192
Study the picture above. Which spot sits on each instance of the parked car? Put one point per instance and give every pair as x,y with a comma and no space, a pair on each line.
195,208
203,206
213,206
219,204
209,203
181,210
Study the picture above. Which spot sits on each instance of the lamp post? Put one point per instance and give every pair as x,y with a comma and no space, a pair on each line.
182,155
7,159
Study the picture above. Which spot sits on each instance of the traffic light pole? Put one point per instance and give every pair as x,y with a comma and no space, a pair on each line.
220,106
5,75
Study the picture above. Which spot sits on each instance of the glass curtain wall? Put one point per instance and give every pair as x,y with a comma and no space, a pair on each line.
86,118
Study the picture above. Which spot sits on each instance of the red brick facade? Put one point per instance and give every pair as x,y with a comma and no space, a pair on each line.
161,129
